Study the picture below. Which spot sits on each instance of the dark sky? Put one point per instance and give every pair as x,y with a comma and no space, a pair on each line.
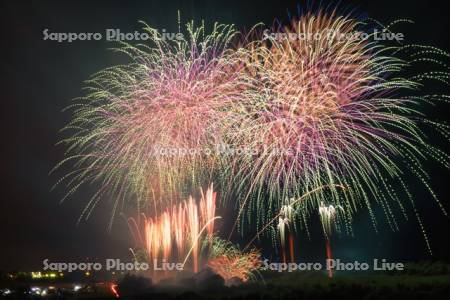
39,78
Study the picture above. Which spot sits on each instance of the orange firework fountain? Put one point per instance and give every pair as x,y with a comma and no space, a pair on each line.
178,232
181,227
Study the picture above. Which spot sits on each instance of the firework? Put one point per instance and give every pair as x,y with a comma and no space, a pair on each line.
193,229
326,110
328,217
229,262
312,113
181,227
281,216
284,222
148,130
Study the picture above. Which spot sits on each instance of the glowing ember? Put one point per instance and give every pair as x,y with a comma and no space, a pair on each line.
230,262
236,265
113,288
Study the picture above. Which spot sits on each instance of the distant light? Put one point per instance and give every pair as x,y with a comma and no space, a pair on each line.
87,273
76,288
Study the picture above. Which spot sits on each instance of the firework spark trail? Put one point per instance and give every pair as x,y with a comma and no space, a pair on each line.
328,217
288,213
283,223
166,234
329,256
135,231
195,242
181,227
208,208
235,266
179,221
228,261
292,204
325,111
193,229
291,246
314,112
328,214
148,130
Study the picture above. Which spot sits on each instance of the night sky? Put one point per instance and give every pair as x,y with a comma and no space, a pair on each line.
39,78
